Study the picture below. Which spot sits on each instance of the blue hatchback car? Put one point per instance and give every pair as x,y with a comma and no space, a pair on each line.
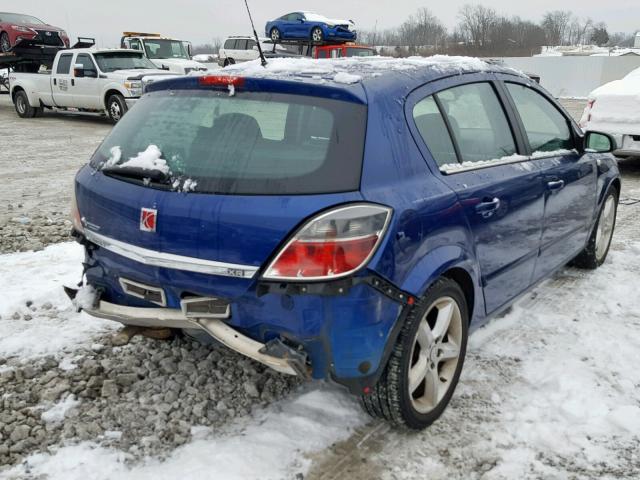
311,27
350,227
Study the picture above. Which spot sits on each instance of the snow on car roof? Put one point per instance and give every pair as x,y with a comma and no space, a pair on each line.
356,69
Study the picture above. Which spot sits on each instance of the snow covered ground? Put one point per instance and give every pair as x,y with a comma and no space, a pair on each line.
550,390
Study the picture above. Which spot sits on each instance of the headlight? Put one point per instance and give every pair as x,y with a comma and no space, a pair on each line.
134,87
20,28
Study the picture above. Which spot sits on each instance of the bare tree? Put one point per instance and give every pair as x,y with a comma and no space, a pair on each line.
556,25
476,22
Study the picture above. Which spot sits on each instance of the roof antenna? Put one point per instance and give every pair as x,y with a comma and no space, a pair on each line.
262,59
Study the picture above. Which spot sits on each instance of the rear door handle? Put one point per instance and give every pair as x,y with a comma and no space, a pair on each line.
73,82
55,81
555,185
487,207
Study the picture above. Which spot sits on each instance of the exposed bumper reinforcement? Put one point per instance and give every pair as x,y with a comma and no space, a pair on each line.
174,318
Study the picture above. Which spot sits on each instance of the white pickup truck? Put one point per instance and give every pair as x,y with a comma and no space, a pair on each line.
85,79
165,53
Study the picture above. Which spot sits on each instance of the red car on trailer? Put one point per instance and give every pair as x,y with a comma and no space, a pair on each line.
17,26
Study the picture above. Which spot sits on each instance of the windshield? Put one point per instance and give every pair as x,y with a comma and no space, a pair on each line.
249,143
360,52
162,48
19,18
112,61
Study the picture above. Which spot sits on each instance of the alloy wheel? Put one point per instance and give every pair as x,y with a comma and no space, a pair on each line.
605,227
316,35
275,34
435,354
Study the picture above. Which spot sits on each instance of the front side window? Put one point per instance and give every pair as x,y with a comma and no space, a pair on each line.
546,128
165,48
241,44
86,62
134,43
64,64
478,122
249,143
359,52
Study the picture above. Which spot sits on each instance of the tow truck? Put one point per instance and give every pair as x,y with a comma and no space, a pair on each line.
166,53
83,78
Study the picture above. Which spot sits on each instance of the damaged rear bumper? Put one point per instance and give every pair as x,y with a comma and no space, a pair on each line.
274,354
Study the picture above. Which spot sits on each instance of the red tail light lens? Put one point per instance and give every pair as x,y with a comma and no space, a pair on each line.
332,245
221,81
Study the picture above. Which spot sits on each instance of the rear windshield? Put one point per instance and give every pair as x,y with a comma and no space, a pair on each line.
247,143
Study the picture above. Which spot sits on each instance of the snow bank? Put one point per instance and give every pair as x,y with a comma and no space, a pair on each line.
30,280
275,444
616,107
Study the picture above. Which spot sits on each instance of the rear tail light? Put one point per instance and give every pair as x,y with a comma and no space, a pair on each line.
221,81
332,245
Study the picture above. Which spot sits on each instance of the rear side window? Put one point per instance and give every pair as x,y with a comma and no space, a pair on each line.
546,128
241,44
230,44
64,64
478,122
250,143
434,131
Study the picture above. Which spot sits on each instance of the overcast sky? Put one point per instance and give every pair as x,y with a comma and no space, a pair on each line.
201,20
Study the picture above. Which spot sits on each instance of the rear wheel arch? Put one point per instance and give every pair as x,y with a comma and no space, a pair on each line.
464,280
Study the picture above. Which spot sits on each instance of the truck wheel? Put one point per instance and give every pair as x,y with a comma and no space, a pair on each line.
116,107
426,361
595,253
317,35
23,108
5,44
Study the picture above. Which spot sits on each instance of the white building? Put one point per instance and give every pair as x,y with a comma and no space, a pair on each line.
637,42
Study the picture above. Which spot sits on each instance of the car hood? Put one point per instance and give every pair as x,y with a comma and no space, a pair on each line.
40,26
136,74
178,62
328,21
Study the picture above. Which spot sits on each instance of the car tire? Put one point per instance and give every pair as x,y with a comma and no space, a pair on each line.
595,253
5,43
316,35
275,36
432,341
116,107
23,107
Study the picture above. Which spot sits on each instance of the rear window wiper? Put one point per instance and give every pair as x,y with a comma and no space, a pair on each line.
137,173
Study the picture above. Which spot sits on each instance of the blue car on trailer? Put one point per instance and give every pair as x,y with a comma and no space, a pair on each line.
311,27
350,225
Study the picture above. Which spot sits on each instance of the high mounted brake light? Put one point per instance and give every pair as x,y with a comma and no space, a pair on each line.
221,81
332,245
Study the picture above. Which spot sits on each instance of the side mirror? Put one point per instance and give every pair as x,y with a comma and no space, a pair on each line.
78,70
598,142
